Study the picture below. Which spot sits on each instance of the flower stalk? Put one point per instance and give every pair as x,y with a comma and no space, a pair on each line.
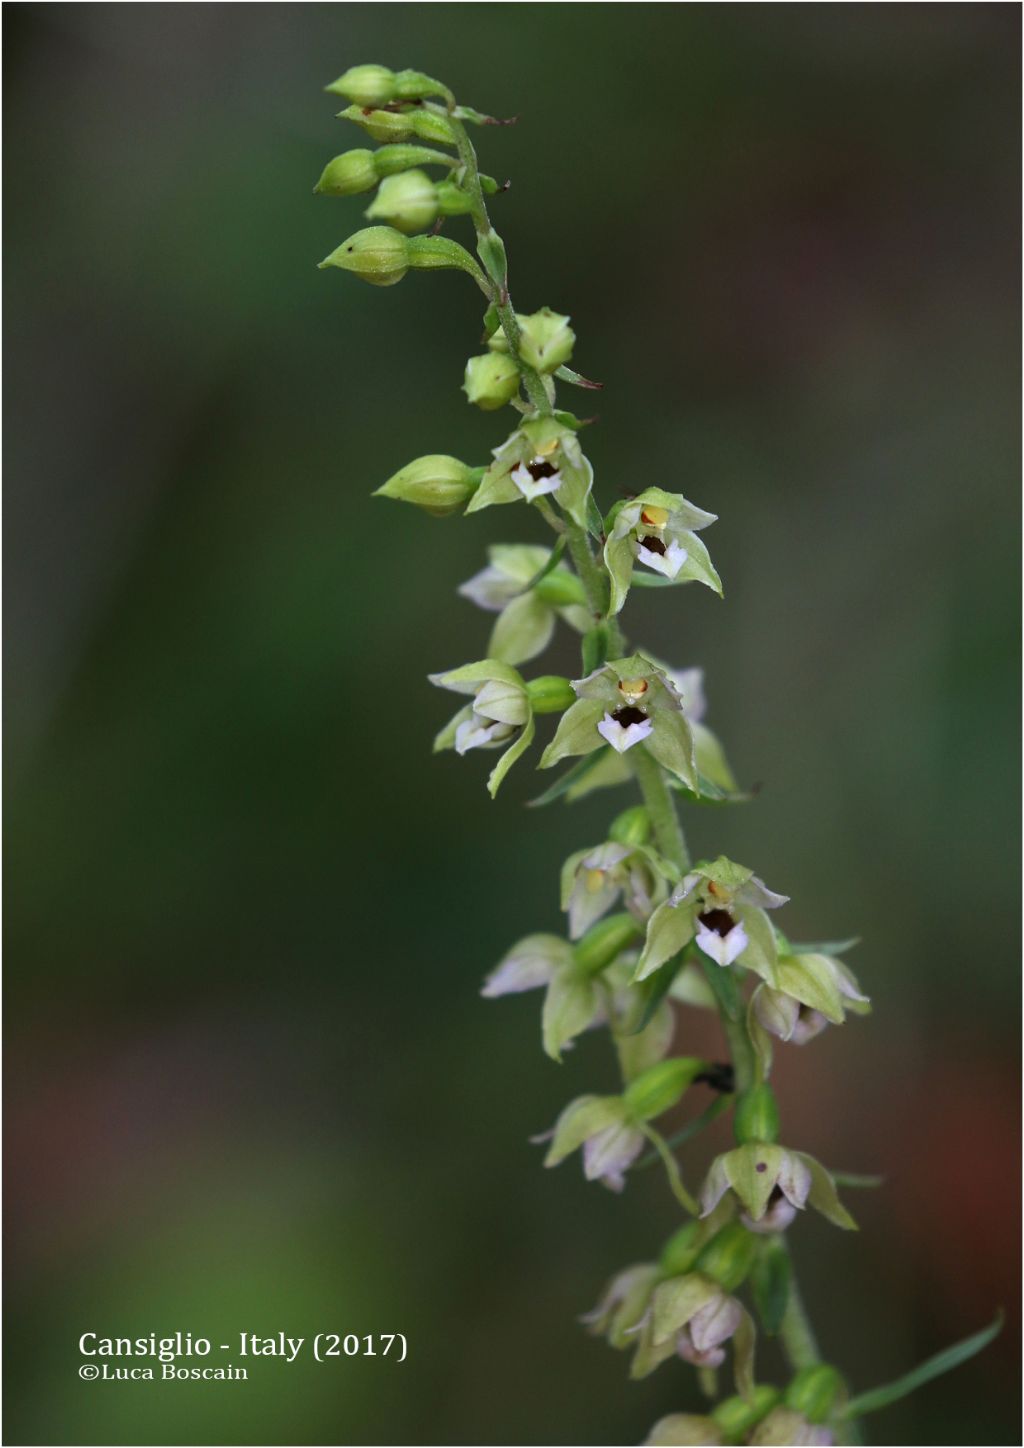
651,933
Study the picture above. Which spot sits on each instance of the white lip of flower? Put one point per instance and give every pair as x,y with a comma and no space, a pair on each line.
667,560
477,732
536,478
723,947
623,736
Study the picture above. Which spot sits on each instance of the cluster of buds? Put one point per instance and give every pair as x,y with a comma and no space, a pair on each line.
648,933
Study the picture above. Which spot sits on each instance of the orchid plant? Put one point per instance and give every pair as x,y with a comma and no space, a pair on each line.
649,931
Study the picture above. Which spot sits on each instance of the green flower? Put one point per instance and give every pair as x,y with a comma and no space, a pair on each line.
772,1184
594,879
500,713
625,703
811,991
721,906
658,529
541,458
526,614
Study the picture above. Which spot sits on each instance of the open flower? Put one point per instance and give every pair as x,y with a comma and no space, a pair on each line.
610,1129
658,529
762,1175
811,991
721,907
690,1317
500,714
593,880
624,703
715,779
584,984
540,458
527,610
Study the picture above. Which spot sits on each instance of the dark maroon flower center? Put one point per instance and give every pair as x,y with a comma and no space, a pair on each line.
628,715
541,470
720,921
653,545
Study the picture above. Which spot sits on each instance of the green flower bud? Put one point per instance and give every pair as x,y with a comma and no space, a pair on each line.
497,341
381,125
550,694
546,340
679,1253
736,1416
452,200
378,254
366,85
561,590
813,1392
389,160
408,201
661,1086
631,827
439,484
757,1116
728,1257
347,175
491,381
604,941
413,85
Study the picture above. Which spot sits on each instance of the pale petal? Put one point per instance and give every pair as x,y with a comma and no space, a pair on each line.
808,1025
668,563
587,905
716,1184
723,949
776,1219
621,738
490,589
794,1179
533,488
715,1322
478,733
777,1012
610,1152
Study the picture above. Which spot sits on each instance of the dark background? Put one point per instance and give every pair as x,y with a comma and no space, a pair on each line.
251,1085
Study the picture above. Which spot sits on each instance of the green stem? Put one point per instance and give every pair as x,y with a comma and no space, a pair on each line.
660,808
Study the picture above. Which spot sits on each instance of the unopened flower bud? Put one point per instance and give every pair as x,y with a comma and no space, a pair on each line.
381,125
365,85
452,200
604,941
728,1257
561,589
545,339
681,1429
679,1253
550,694
661,1086
813,1392
631,827
736,1416
439,484
413,85
408,201
757,1116
378,254
491,380
348,174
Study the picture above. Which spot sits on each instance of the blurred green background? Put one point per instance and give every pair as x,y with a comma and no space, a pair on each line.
251,1084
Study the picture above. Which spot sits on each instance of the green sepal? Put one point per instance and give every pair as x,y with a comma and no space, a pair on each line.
518,747
671,744
653,990
570,1004
744,1341
576,732
823,1196
669,929
676,1301
522,630
580,1119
